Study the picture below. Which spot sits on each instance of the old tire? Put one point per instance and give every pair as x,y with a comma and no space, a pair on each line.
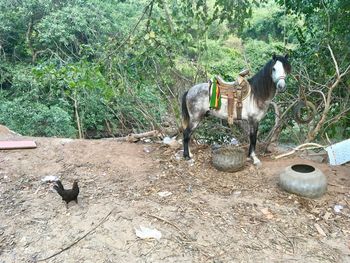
311,112
228,158
304,180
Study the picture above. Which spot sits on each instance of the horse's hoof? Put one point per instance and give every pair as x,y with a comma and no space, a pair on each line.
258,163
187,158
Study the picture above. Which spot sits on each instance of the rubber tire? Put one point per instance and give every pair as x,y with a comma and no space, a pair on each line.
228,158
308,184
297,112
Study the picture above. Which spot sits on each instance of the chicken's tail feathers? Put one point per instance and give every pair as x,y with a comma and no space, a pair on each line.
58,187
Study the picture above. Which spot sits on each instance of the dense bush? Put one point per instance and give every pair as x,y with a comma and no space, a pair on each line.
36,119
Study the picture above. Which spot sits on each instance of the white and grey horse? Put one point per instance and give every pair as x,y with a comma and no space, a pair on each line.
195,102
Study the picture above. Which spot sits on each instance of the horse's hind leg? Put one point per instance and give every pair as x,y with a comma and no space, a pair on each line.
253,131
187,133
186,139
191,117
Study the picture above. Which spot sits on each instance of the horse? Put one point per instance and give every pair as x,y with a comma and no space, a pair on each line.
264,84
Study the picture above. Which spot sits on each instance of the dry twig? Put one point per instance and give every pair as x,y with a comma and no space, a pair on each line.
134,137
172,224
81,238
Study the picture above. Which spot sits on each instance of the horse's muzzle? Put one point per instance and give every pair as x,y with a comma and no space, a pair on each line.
281,85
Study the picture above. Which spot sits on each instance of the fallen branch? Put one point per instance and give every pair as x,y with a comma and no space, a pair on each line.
136,137
81,238
309,146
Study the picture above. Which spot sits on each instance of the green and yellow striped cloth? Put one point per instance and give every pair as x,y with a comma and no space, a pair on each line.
215,99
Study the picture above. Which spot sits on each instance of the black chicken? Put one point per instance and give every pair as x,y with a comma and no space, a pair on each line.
67,194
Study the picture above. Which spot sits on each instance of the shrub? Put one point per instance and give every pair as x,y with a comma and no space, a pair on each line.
36,119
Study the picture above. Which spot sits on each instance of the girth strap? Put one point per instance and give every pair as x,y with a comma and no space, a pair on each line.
231,101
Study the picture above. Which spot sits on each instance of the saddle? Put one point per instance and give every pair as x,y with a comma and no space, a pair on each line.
235,92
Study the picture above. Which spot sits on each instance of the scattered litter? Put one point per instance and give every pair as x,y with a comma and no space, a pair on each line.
189,189
49,178
339,153
164,194
37,190
320,230
338,208
190,162
146,150
237,193
327,215
172,142
234,141
178,155
145,233
215,146
167,140
267,213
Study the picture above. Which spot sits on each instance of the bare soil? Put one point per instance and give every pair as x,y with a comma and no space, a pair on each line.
210,216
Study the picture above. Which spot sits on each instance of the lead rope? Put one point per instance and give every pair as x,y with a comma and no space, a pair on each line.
284,28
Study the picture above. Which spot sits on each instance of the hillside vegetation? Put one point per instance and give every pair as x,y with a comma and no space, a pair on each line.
92,69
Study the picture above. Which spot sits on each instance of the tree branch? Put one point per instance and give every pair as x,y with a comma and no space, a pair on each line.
334,61
312,133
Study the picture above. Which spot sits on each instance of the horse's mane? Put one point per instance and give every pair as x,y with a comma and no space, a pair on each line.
263,88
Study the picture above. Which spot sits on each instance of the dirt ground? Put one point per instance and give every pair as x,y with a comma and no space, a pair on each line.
210,216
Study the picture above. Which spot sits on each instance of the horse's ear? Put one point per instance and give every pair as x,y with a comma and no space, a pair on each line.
274,57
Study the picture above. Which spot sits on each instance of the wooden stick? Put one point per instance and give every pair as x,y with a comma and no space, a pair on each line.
309,146
79,239
133,137
172,224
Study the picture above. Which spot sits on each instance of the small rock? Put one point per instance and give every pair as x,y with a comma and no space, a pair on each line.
171,142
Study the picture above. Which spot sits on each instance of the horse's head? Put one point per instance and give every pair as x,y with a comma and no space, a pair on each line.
280,69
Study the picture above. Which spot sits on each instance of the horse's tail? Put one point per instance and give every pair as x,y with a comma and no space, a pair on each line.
184,110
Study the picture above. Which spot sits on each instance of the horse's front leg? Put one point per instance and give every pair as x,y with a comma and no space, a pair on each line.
253,131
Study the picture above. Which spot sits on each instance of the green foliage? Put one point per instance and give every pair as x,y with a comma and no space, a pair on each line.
323,23
36,119
221,60
115,67
259,52
270,22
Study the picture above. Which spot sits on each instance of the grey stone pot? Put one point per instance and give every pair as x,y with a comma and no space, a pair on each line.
228,158
304,180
